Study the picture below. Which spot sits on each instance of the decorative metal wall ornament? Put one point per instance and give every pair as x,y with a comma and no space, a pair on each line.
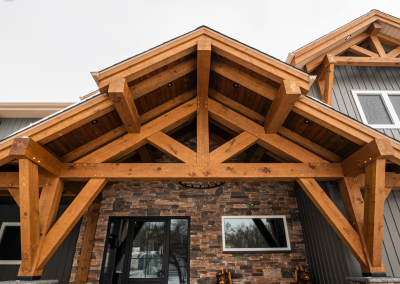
200,185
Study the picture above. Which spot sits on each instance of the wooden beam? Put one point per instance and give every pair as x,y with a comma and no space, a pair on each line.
255,154
374,197
367,61
48,204
146,154
238,107
29,216
312,65
87,245
221,141
376,149
388,40
233,147
258,118
120,95
5,157
93,145
394,53
14,193
163,78
132,141
67,221
374,29
325,78
308,144
362,51
334,217
203,78
12,180
376,46
244,79
272,142
172,147
392,181
354,206
166,107
267,69
197,172
287,95
135,69
26,148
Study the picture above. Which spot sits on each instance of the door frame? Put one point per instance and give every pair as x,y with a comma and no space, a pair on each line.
167,220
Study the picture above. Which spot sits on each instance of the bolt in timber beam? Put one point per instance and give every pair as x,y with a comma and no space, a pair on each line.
376,149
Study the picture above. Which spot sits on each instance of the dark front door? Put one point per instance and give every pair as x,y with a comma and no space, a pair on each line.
148,250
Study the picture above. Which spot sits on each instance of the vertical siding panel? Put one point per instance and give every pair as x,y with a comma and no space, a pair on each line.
391,236
339,74
385,259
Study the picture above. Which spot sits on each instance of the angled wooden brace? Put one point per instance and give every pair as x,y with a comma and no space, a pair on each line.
325,78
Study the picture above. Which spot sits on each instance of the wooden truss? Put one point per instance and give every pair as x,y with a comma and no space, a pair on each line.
323,66
100,160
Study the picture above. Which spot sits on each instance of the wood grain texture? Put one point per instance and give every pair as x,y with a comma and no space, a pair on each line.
287,95
374,199
172,147
29,214
120,95
233,147
67,221
87,245
27,148
132,141
197,172
376,149
334,217
203,77
272,142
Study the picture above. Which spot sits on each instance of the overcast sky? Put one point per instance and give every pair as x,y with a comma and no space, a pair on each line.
49,48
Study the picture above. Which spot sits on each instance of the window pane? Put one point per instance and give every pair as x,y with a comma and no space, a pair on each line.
178,251
255,233
10,243
374,109
115,252
147,250
395,99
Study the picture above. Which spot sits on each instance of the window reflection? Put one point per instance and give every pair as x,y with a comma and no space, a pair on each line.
178,251
255,233
147,250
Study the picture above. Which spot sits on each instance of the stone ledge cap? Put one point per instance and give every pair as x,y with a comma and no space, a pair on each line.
374,279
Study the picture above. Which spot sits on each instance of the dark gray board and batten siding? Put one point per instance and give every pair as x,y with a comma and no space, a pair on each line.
10,125
59,266
329,259
347,78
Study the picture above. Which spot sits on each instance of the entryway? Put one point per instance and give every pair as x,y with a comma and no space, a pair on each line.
148,250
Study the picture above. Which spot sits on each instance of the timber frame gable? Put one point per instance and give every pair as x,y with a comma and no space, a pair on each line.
207,86
366,37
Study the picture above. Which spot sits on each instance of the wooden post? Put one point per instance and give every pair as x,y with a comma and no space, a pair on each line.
203,77
325,78
374,196
87,246
29,211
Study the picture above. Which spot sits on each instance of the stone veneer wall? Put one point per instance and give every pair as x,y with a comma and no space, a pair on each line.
206,208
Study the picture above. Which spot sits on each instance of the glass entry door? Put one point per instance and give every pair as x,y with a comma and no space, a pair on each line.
149,250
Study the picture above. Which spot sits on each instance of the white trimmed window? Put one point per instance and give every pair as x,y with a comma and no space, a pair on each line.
10,243
378,109
255,233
